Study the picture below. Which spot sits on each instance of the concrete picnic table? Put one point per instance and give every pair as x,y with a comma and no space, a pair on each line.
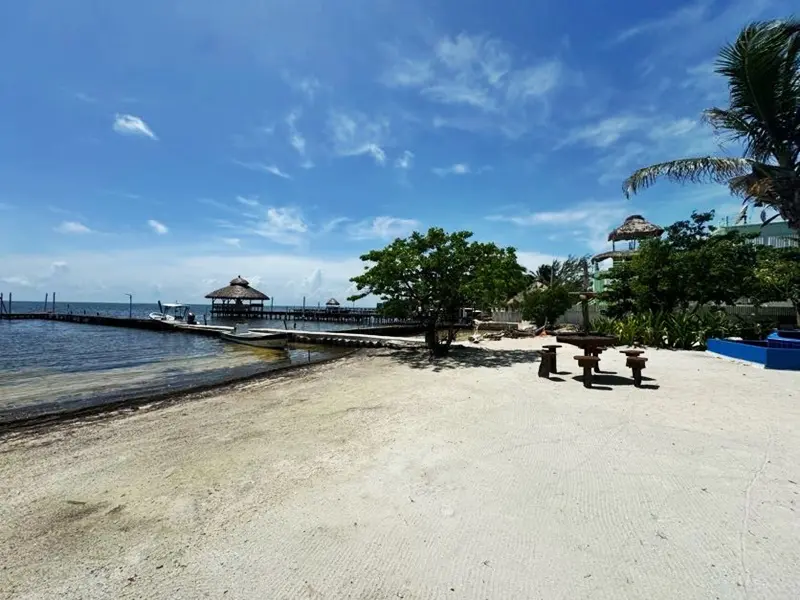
591,344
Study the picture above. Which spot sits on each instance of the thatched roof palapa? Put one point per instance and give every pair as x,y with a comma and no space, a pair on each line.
332,302
239,289
635,228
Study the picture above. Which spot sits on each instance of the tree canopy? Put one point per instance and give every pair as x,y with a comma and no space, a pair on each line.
433,276
688,266
762,68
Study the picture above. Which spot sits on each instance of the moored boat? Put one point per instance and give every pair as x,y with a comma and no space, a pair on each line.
241,335
170,312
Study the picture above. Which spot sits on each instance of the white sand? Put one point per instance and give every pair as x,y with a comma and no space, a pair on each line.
377,477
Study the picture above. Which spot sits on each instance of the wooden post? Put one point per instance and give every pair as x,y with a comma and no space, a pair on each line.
46,296
2,306
9,302
54,302
584,299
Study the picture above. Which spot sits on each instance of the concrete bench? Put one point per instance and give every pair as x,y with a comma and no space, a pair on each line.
636,364
587,363
552,349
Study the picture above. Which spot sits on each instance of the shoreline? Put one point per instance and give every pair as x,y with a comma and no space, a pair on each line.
389,475
44,421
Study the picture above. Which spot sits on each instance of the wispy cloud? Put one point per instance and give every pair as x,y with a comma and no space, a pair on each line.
235,242
682,17
309,86
456,169
158,227
296,139
16,280
383,228
405,161
284,225
6,206
587,222
355,134
333,224
84,97
477,72
264,168
131,125
603,133
247,201
73,227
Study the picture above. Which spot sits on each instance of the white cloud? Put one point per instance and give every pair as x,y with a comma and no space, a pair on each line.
247,201
456,169
235,242
16,280
333,224
587,222
264,168
192,271
131,125
478,73
84,97
355,134
603,133
296,139
284,225
405,161
684,16
308,86
72,227
384,228
158,227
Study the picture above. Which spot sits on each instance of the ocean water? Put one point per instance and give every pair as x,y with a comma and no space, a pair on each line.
50,367
141,311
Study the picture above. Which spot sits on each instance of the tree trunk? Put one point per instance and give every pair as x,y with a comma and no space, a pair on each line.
432,341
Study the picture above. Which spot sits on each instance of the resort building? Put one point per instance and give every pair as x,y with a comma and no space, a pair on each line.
776,234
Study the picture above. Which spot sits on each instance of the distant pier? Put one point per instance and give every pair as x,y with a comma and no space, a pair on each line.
376,336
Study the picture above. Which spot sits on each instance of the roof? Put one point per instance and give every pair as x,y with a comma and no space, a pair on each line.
332,302
239,289
173,305
635,228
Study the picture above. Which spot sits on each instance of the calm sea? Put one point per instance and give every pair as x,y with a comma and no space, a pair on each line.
49,366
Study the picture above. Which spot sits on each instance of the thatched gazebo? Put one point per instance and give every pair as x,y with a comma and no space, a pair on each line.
237,300
332,305
634,228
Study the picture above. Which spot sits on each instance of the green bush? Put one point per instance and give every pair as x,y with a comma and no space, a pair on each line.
682,330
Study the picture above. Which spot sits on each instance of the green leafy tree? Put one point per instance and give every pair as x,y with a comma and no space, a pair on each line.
778,276
546,305
689,266
433,276
762,68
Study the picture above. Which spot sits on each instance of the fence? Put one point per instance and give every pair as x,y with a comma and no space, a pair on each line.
779,312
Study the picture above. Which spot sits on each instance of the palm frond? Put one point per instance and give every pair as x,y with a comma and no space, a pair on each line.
760,66
709,169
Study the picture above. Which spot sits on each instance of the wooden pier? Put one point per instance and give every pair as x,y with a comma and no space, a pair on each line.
371,337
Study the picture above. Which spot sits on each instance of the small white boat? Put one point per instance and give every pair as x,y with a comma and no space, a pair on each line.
170,312
241,335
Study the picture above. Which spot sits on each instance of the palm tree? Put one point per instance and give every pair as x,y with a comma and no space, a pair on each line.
763,71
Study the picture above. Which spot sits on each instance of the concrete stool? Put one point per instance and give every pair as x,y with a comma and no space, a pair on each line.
587,363
546,360
632,353
636,363
552,348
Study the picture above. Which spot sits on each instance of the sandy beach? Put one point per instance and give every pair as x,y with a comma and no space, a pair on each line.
386,476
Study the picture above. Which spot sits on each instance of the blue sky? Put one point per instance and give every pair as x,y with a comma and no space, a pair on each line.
162,148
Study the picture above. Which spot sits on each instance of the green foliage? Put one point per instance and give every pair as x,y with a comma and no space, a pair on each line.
684,330
432,276
762,68
778,276
567,273
689,266
546,305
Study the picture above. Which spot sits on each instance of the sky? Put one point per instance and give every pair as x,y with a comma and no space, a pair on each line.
163,147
